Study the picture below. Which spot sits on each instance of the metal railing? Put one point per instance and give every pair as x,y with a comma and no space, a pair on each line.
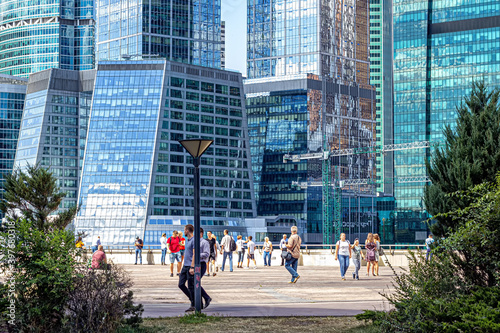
305,248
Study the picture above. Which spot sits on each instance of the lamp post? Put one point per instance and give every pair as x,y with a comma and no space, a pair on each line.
196,148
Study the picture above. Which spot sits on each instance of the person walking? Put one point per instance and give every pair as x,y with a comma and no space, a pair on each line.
293,247
356,258
213,253
138,249
376,238
251,252
241,251
428,243
187,272
204,255
96,243
370,247
225,245
268,250
174,250
343,254
283,248
163,243
217,244
182,244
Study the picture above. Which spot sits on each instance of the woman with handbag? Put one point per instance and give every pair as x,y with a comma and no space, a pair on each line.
370,247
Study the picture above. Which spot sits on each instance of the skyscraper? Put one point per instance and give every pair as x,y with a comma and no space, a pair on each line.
308,91
381,54
38,35
54,125
137,179
440,47
184,31
287,37
12,93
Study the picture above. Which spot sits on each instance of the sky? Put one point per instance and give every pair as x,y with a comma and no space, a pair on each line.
234,13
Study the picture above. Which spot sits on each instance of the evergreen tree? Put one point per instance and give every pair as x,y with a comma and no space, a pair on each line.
34,195
471,155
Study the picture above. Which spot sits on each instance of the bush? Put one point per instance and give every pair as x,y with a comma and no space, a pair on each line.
100,300
39,268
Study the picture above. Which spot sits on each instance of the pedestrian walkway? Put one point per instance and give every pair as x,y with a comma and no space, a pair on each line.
264,292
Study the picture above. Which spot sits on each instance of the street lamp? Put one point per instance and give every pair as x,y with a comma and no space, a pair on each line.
196,148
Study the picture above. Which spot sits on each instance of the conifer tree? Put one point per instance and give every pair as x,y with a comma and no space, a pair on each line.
471,155
34,195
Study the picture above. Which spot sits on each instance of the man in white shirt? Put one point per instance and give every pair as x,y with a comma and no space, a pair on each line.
283,248
428,243
163,243
225,245
251,253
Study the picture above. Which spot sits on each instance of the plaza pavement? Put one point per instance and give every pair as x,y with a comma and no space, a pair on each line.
264,292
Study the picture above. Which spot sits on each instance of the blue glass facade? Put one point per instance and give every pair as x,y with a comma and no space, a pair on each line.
439,48
178,30
38,35
289,116
137,179
288,37
54,126
12,94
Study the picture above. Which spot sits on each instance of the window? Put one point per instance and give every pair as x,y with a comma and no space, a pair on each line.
192,128
234,91
220,89
221,110
176,105
207,108
177,180
175,93
176,82
235,123
177,169
192,84
207,119
162,157
208,87
221,100
161,179
221,131
221,121
207,98
192,96
236,113
192,117
176,126
235,102
192,106
207,130
177,158
177,115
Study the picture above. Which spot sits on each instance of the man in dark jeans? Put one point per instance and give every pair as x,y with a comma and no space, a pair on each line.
187,272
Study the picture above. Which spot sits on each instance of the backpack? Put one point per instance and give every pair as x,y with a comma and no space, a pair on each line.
370,254
232,245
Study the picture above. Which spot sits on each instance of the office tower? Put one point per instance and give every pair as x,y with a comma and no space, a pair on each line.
309,91
440,47
287,37
223,45
184,31
12,93
54,125
137,178
38,35
381,54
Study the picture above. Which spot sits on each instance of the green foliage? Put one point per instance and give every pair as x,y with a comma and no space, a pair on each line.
39,268
197,318
35,196
471,155
459,289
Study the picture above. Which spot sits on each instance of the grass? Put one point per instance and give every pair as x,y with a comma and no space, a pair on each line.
213,324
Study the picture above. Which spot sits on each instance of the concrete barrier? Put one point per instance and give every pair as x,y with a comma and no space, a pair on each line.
309,257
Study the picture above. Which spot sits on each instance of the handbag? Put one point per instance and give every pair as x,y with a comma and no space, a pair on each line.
287,255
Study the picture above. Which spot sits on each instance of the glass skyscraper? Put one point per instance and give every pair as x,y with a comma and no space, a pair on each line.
137,179
12,93
381,54
440,47
38,35
309,88
287,37
187,31
54,126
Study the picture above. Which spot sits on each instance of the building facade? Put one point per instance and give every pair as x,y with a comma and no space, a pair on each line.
288,37
381,63
38,35
137,179
183,31
294,115
12,94
440,47
54,126
309,91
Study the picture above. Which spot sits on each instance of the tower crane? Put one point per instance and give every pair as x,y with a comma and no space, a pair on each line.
333,223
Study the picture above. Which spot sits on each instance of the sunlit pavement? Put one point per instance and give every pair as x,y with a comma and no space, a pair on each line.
264,292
